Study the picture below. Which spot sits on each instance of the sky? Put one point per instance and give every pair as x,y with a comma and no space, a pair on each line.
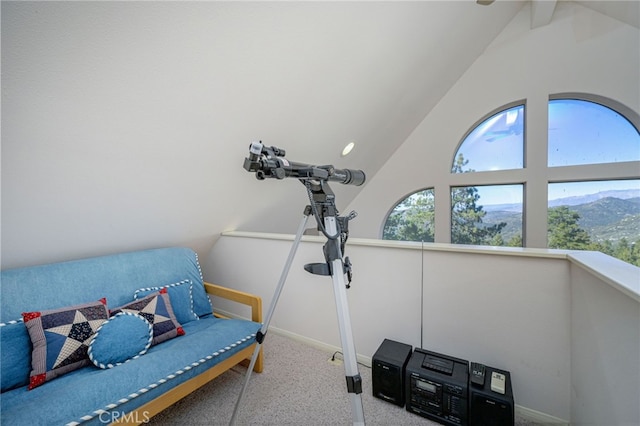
511,194
580,132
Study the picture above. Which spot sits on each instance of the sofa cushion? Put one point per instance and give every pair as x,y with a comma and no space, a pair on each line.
121,338
60,338
156,308
130,385
74,282
115,277
181,296
15,355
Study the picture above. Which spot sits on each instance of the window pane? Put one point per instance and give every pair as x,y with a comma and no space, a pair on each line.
601,215
495,144
412,219
487,215
583,132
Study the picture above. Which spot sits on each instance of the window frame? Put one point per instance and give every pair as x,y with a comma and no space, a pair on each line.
535,176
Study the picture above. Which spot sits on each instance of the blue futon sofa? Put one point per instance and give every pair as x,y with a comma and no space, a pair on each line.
114,338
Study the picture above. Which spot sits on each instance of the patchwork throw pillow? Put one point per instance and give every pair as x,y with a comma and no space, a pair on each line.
181,296
121,338
60,338
156,308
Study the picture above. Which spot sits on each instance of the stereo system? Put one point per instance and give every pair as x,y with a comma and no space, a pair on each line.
489,406
442,388
389,363
436,387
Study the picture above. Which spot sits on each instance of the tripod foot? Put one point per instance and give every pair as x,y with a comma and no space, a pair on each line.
354,384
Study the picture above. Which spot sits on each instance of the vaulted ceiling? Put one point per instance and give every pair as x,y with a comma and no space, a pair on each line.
128,122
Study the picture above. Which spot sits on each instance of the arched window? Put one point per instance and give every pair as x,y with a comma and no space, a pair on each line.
412,219
584,132
597,213
589,164
490,214
497,143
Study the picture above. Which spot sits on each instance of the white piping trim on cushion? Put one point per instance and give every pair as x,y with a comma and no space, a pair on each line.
12,322
179,283
202,278
138,355
159,382
199,268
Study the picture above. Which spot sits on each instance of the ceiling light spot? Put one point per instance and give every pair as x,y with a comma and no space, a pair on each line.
347,149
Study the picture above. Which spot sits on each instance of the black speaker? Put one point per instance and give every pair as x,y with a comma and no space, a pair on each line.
490,408
388,367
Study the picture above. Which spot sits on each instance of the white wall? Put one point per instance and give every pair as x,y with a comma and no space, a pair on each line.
566,325
605,351
503,309
125,124
307,305
579,51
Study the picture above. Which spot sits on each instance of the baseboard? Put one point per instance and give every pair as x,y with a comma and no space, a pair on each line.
524,413
366,361
521,412
538,418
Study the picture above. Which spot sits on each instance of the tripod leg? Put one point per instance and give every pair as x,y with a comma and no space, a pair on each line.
265,325
354,381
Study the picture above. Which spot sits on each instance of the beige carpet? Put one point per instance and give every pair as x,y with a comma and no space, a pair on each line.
298,387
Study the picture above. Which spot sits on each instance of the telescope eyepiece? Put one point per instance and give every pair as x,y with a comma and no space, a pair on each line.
255,148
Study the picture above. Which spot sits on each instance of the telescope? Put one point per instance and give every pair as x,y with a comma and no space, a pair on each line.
269,162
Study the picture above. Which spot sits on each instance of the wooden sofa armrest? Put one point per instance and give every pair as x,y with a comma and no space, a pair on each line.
153,407
251,300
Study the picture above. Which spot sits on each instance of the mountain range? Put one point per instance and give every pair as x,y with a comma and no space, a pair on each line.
606,215
623,194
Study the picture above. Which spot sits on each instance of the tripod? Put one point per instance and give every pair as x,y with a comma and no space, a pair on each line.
335,228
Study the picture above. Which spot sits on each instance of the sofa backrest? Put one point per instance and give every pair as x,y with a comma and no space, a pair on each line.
114,277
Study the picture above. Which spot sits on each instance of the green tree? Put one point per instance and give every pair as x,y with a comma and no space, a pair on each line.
412,219
564,231
467,215
627,251
515,241
605,247
497,240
